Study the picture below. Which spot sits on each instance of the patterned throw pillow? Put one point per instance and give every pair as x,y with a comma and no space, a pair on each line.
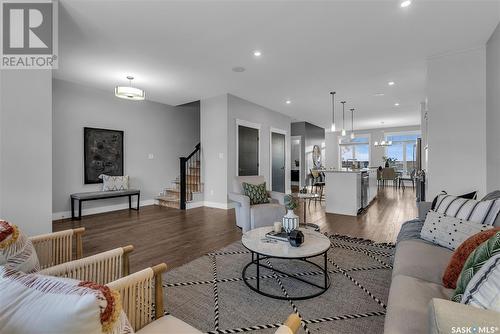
256,192
483,290
33,303
114,182
461,254
475,261
447,231
483,212
16,250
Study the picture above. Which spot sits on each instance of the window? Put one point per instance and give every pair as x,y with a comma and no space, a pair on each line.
357,149
403,149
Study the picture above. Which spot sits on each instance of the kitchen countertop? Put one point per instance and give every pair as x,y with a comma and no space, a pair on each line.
344,170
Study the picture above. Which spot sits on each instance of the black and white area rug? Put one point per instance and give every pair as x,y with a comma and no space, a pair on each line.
210,294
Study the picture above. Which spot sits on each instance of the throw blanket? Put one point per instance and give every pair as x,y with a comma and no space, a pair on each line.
410,230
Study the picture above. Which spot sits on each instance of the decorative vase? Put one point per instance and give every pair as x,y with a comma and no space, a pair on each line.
290,221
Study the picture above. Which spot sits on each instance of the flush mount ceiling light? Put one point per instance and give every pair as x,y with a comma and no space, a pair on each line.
238,69
288,101
405,3
378,94
129,92
396,104
257,53
391,83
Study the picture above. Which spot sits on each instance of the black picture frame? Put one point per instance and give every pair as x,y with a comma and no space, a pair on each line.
102,153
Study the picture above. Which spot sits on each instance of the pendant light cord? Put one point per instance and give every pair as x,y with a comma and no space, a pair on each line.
333,107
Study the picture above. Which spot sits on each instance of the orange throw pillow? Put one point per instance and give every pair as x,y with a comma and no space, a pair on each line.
461,254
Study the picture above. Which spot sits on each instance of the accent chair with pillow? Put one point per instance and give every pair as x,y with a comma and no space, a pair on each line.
263,209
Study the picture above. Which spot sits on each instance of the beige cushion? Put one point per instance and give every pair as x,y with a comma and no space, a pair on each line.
238,180
266,214
419,259
408,301
168,325
33,303
445,314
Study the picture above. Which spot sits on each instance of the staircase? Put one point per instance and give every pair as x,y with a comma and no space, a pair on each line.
187,187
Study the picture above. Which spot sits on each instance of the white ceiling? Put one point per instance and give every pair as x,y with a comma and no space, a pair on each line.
181,51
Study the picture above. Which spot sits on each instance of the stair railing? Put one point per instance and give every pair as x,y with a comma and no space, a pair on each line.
190,176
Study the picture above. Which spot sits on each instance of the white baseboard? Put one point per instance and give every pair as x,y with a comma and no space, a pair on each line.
101,209
216,205
193,205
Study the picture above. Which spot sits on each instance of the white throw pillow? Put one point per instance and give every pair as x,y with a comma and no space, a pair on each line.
483,212
449,232
32,303
16,249
114,182
483,290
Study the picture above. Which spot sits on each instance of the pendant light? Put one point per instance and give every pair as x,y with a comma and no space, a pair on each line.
129,92
333,112
343,119
352,124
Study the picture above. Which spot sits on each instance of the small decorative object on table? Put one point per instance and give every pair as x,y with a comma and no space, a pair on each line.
290,220
303,190
296,238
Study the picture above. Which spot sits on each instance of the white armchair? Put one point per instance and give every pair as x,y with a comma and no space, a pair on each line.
249,216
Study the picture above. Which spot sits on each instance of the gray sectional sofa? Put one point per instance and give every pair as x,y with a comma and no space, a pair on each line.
418,302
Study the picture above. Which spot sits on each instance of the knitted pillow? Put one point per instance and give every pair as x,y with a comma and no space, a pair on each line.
16,250
256,192
461,254
33,303
474,262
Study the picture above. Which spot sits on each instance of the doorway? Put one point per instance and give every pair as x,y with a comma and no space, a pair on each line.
248,151
278,162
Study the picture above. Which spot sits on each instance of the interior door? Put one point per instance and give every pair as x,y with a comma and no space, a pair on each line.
248,151
278,161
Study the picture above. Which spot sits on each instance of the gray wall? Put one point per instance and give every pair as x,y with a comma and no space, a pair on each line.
240,109
213,115
456,91
493,111
26,149
165,131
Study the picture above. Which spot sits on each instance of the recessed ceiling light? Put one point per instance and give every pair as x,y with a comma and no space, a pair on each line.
257,53
391,83
405,3
379,94
288,101
238,69
396,104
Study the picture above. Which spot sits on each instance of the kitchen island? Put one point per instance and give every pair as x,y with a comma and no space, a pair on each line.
349,191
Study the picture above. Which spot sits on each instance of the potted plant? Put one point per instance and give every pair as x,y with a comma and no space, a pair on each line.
290,220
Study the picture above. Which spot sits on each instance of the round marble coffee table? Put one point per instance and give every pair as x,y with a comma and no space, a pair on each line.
262,248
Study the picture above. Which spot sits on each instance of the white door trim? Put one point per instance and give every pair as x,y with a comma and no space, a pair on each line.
287,167
248,125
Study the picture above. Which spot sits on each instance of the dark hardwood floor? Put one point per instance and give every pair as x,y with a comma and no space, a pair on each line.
161,234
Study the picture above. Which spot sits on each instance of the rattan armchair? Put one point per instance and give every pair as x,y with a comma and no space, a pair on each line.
142,301
56,248
101,268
